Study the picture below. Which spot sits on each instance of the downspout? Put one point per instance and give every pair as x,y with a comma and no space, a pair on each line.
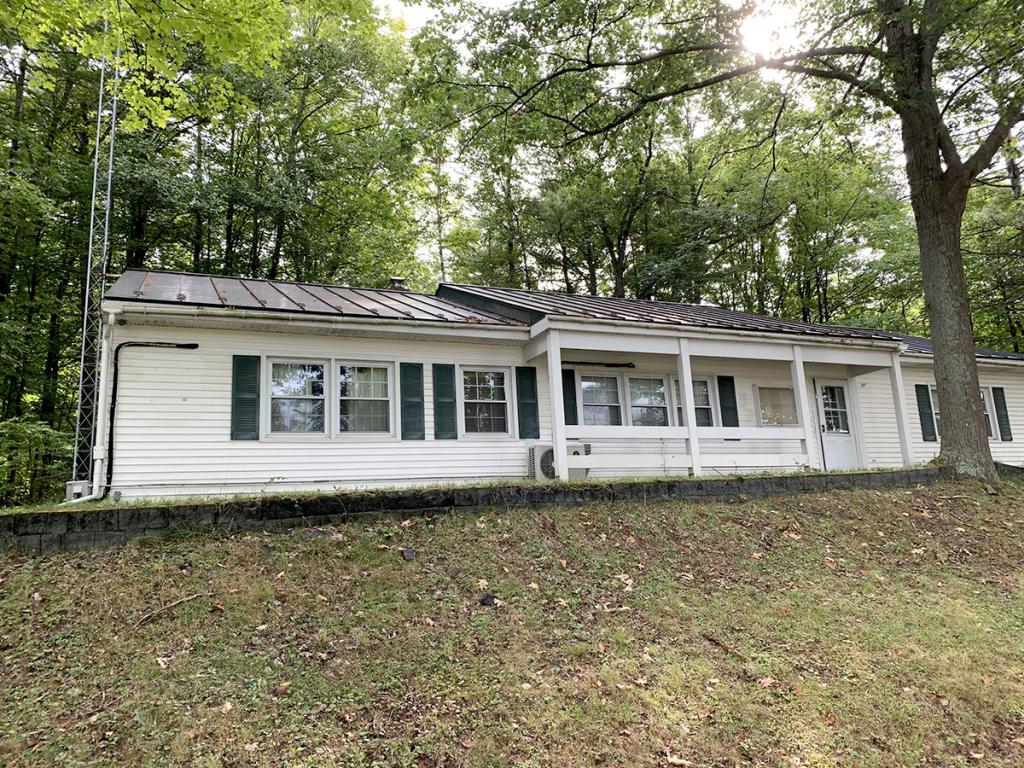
104,468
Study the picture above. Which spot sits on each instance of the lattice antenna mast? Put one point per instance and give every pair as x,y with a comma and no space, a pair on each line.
96,272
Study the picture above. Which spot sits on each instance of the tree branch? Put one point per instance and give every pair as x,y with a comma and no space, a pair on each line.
983,155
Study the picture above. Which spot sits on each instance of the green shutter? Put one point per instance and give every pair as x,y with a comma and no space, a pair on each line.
924,412
526,403
446,425
572,417
1002,416
245,397
727,401
411,383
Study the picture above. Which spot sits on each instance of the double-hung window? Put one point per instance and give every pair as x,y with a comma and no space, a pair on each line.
600,398
364,398
703,408
985,407
485,401
647,404
297,401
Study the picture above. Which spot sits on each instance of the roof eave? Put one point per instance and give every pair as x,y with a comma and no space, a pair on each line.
668,329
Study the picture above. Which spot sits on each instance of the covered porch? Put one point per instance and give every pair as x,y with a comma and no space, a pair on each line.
631,401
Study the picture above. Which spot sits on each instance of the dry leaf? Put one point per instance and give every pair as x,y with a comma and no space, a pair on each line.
280,689
226,707
767,682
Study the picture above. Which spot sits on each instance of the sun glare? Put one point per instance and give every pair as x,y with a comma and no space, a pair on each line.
770,29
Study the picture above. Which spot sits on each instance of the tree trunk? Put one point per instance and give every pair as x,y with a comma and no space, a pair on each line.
938,198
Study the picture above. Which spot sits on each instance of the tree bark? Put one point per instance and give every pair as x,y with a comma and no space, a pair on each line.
938,198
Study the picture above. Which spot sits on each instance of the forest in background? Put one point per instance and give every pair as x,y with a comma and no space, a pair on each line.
325,143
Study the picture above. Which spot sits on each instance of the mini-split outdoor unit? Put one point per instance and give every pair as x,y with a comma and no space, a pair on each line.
541,461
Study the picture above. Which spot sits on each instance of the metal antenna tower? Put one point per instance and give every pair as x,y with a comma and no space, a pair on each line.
95,276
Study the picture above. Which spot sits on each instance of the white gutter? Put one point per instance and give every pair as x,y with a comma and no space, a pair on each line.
99,451
924,357
302,320
688,331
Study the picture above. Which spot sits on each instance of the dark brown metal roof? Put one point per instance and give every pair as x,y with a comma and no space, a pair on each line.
919,345
196,290
531,306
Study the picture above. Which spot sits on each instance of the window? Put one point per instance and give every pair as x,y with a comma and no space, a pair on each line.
986,409
297,397
833,409
364,398
600,397
647,405
704,410
777,406
485,401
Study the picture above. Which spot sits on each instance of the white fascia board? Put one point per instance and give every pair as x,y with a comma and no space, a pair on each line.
628,328
135,313
922,358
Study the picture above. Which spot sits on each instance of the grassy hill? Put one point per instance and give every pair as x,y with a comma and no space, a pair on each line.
855,628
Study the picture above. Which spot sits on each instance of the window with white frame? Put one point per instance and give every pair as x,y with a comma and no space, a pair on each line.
599,396
985,407
647,404
485,401
776,406
703,407
297,400
364,398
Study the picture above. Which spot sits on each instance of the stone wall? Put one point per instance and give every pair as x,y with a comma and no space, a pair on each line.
68,528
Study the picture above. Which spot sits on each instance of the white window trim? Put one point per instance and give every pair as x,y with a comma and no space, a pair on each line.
716,416
268,377
984,391
511,414
607,374
757,406
391,366
666,383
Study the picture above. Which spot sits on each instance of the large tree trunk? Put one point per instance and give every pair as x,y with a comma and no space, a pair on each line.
938,198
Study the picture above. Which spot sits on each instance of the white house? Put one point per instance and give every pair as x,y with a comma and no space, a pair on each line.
221,385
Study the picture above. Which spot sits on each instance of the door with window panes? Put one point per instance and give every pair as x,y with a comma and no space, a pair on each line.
835,421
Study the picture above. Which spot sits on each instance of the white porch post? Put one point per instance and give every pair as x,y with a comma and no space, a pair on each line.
898,400
803,401
557,405
686,390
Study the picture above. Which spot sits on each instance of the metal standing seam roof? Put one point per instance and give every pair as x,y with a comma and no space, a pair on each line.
198,290
918,345
538,304
531,306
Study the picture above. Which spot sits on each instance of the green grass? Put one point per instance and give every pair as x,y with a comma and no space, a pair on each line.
846,629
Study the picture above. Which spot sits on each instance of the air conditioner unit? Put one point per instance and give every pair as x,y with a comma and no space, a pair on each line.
541,461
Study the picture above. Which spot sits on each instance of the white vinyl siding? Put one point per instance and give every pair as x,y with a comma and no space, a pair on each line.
1011,379
172,431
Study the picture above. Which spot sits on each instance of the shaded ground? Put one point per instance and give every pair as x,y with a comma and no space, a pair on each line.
852,628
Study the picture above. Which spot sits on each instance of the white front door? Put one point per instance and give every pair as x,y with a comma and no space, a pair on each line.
835,419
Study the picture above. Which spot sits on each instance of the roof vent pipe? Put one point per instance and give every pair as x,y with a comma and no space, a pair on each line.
398,284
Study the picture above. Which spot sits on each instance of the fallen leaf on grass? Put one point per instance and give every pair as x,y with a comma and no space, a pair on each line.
280,689
38,597
226,707
671,759
767,682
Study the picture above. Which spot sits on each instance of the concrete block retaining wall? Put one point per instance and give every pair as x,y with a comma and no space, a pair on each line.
69,528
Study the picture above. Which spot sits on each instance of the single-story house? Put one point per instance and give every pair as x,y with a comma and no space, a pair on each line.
223,385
